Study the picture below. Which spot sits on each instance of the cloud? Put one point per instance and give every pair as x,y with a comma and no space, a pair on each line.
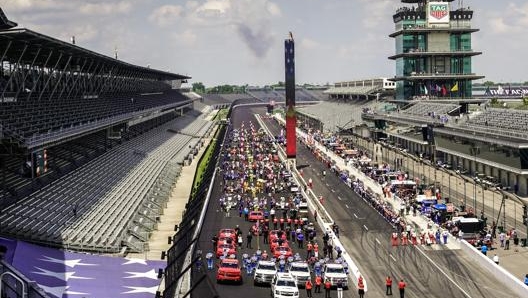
375,13
83,33
106,8
186,38
166,15
513,19
25,5
307,43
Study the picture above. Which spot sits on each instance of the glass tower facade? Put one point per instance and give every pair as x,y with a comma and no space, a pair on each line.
433,50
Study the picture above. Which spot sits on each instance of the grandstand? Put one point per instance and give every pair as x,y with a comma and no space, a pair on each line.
301,94
265,94
365,89
331,116
278,94
91,145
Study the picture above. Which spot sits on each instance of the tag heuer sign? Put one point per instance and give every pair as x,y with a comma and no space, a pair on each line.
439,11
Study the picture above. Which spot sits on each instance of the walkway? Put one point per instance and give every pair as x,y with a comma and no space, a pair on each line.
172,215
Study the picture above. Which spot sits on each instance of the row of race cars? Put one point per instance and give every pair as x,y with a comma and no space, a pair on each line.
257,184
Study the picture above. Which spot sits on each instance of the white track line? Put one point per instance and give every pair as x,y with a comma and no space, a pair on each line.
445,274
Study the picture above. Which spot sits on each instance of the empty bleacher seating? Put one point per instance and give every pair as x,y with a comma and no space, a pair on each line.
501,121
32,119
111,201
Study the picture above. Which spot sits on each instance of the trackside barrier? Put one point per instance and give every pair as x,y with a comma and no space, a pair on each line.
313,205
500,273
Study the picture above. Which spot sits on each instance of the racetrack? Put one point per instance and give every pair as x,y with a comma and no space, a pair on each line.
365,235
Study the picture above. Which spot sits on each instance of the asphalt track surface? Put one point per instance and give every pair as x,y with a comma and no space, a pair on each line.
365,235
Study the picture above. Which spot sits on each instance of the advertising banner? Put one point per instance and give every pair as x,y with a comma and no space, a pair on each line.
438,13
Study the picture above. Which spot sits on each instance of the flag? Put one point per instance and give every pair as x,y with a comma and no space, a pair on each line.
455,88
438,88
444,90
67,274
425,90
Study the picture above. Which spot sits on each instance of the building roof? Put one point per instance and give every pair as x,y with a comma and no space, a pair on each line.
4,22
53,52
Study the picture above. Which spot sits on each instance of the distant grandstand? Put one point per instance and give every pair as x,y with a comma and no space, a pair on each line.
277,94
362,89
91,145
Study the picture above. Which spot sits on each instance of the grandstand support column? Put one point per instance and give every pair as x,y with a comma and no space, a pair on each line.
60,77
81,70
107,80
86,81
25,75
5,51
17,65
123,85
39,75
49,78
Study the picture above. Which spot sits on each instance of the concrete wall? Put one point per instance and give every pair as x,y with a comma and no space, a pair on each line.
500,273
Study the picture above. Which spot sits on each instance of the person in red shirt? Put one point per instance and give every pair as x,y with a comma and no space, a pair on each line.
361,289
308,286
388,283
309,249
328,287
318,282
401,286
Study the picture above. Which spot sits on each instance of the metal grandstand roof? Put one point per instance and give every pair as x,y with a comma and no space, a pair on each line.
17,39
4,22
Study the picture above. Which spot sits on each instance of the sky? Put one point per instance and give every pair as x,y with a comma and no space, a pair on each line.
241,41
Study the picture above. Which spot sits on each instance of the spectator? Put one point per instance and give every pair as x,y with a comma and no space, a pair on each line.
484,249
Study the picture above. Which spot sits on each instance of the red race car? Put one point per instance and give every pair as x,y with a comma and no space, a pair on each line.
275,242
282,251
226,240
273,235
224,247
229,270
227,233
256,215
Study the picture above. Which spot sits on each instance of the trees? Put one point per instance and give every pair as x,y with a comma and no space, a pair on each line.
198,87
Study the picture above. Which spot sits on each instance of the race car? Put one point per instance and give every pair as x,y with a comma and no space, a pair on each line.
282,251
225,249
256,215
273,235
275,242
229,270
227,233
